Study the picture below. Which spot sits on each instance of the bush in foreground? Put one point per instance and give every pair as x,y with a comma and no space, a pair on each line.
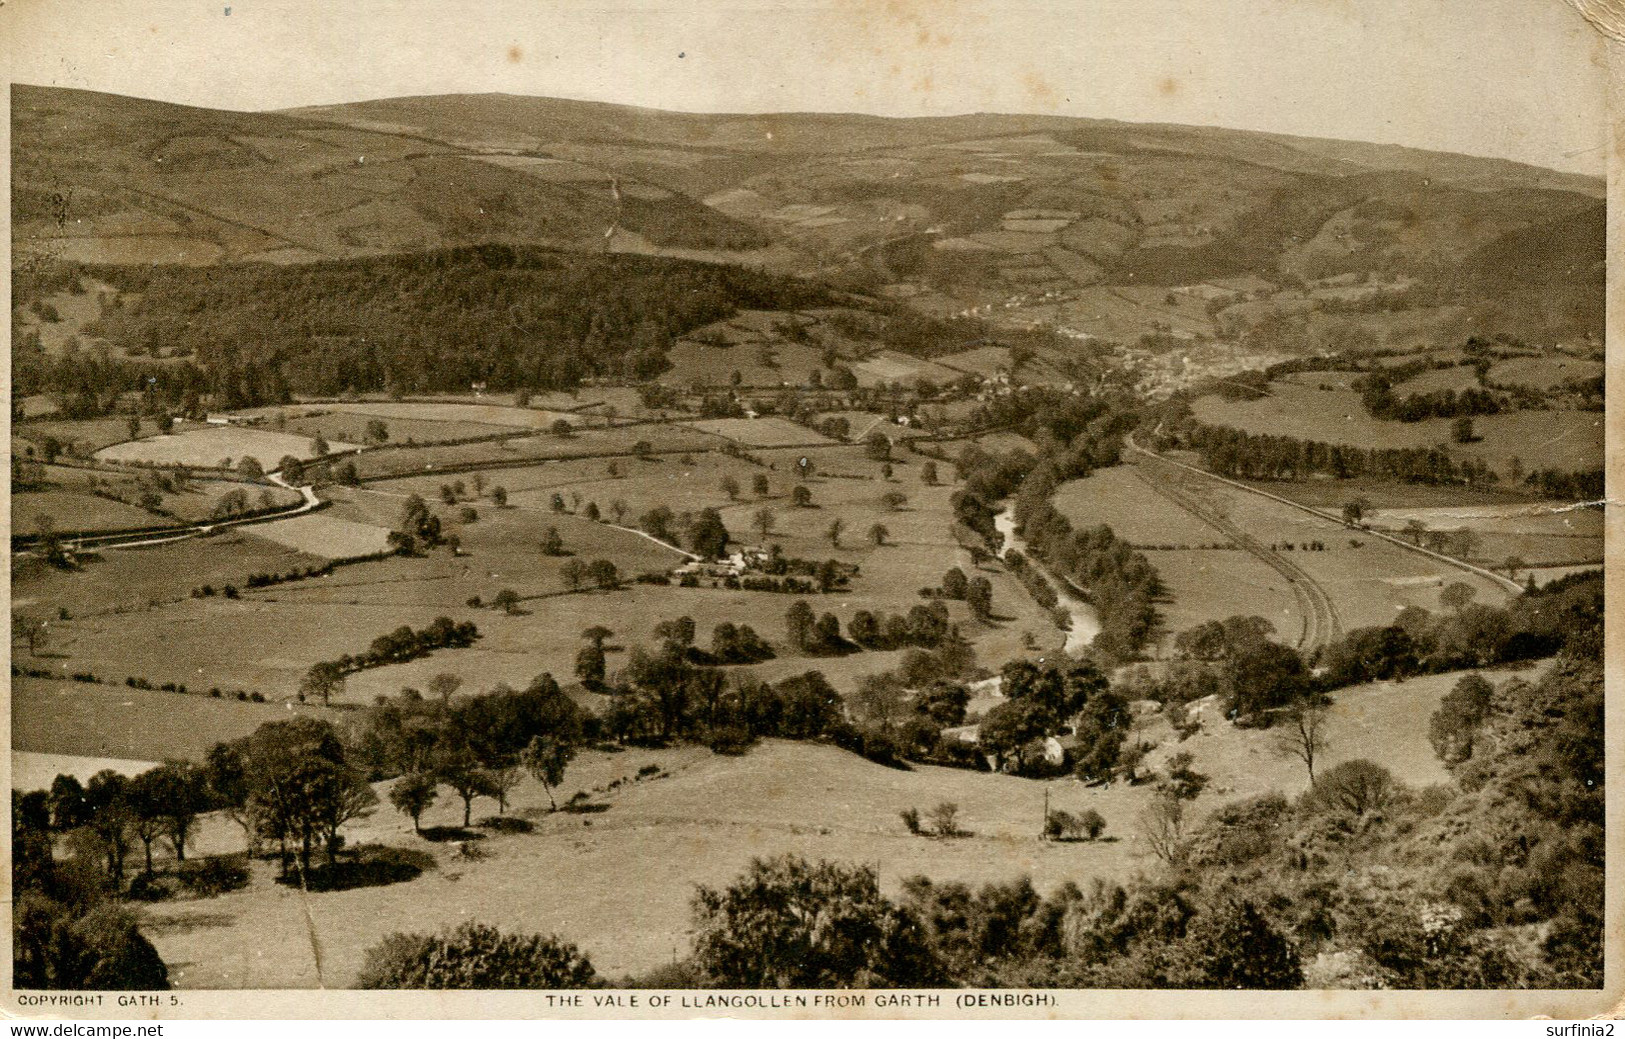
475,956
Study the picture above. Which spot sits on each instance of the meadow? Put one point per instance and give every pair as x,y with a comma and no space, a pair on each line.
697,818
1556,439
211,446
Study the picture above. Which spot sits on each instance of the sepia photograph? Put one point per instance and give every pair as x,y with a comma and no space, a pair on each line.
810,508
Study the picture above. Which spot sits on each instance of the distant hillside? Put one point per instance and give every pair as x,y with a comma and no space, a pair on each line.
955,212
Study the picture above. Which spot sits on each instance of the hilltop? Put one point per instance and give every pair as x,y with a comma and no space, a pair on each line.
950,211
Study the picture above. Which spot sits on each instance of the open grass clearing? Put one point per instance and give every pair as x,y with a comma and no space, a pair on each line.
1120,498
522,450
130,579
107,721
211,446
1544,439
319,534
1544,373
760,432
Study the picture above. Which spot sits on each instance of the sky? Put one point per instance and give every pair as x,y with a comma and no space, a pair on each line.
1518,79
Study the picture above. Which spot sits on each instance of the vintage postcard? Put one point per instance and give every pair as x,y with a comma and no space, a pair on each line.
830,508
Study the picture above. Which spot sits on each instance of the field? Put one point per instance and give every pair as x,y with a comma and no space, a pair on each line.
633,865
476,415
107,721
1542,439
1204,582
323,535
70,500
331,425
523,450
1543,373
212,446
760,432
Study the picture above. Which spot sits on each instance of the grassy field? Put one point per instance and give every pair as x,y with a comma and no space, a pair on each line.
80,436
210,446
633,866
760,432
476,414
71,504
319,534
1543,439
331,424
1544,373
131,579
69,510
519,450
106,721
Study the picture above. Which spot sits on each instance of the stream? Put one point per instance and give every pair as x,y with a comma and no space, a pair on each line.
1085,621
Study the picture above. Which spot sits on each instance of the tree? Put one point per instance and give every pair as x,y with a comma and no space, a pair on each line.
979,597
789,923
1234,947
801,496
1261,677
506,600
945,819
501,776
798,622
1357,787
1414,529
251,467
618,508
764,521
1461,430
1162,826
1456,595
836,526
546,758
112,819
928,474
475,956
31,630
573,573
730,487
707,536
1304,735
377,431
318,446
597,634
1453,727
181,792
561,427
878,534
592,512
1354,511
443,686
758,485
322,680
458,767
590,665
877,447
412,795
954,584
1513,564
146,811
499,496
602,573
1008,728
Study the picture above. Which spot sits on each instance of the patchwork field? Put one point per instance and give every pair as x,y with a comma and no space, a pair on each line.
760,432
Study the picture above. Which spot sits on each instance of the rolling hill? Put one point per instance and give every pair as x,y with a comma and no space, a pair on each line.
957,211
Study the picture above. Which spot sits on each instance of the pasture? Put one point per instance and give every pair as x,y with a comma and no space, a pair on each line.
1544,373
760,432
699,819
319,534
216,446
1541,439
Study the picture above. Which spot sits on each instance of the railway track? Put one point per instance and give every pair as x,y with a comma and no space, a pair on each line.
1321,623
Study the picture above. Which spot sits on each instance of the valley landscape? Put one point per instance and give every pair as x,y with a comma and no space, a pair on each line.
1088,554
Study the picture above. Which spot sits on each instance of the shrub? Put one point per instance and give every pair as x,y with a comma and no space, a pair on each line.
945,819
911,819
214,875
730,739
1092,823
475,956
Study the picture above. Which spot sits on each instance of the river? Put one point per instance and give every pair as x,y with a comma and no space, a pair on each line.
1085,621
